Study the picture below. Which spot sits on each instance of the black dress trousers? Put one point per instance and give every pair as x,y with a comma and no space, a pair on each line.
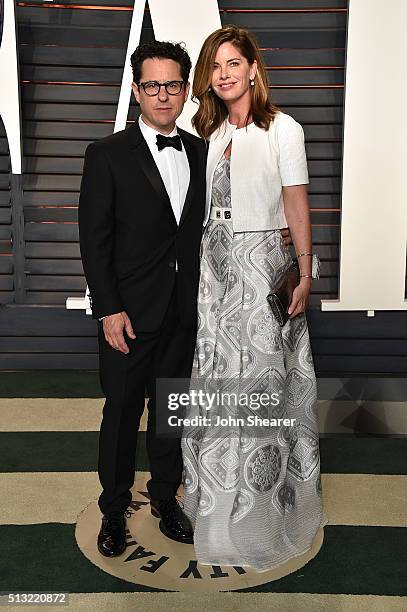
164,353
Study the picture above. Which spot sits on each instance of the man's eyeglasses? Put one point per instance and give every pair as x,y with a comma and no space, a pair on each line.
152,88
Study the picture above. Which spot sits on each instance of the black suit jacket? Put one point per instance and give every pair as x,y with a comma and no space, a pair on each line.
129,237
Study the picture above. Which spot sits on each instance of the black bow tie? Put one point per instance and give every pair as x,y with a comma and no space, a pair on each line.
169,141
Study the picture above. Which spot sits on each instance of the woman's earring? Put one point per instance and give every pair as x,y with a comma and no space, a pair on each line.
210,89
252,82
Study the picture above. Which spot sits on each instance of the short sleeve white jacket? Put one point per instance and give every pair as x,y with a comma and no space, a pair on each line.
261,163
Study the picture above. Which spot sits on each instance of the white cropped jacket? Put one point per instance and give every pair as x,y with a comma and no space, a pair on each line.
261,163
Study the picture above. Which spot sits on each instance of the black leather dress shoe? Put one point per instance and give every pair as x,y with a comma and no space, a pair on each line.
174,522
112,534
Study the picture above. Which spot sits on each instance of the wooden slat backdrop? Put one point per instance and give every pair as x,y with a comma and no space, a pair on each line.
71,58
6,243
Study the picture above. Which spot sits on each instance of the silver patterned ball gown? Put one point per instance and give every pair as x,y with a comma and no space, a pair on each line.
253,493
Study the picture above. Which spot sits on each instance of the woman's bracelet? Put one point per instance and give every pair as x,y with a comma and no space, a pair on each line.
315,265
305,276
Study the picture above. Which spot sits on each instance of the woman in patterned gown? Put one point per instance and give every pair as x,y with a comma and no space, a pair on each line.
252,492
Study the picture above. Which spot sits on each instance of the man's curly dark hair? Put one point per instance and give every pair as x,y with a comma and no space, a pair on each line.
161,50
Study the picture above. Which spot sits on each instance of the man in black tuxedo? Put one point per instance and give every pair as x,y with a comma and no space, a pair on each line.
140,220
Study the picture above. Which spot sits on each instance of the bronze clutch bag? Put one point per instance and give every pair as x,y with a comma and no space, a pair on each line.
281,297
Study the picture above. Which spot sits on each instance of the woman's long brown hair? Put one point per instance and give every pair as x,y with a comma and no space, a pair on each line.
212,110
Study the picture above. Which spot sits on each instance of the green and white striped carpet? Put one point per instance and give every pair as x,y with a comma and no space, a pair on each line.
48,440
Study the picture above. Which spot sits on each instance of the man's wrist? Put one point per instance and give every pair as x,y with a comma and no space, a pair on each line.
110,315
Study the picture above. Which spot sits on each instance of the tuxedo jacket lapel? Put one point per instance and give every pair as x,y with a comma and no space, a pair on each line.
146,161
191,152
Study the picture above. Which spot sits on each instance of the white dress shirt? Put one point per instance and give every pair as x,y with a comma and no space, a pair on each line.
173,167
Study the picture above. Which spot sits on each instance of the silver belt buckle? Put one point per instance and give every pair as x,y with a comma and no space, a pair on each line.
220,214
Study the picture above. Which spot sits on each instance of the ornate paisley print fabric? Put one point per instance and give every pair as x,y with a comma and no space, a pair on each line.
253,493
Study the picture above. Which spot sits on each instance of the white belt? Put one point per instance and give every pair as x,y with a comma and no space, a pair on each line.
221,214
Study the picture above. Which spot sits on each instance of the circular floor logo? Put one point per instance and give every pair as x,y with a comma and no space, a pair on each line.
153,560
